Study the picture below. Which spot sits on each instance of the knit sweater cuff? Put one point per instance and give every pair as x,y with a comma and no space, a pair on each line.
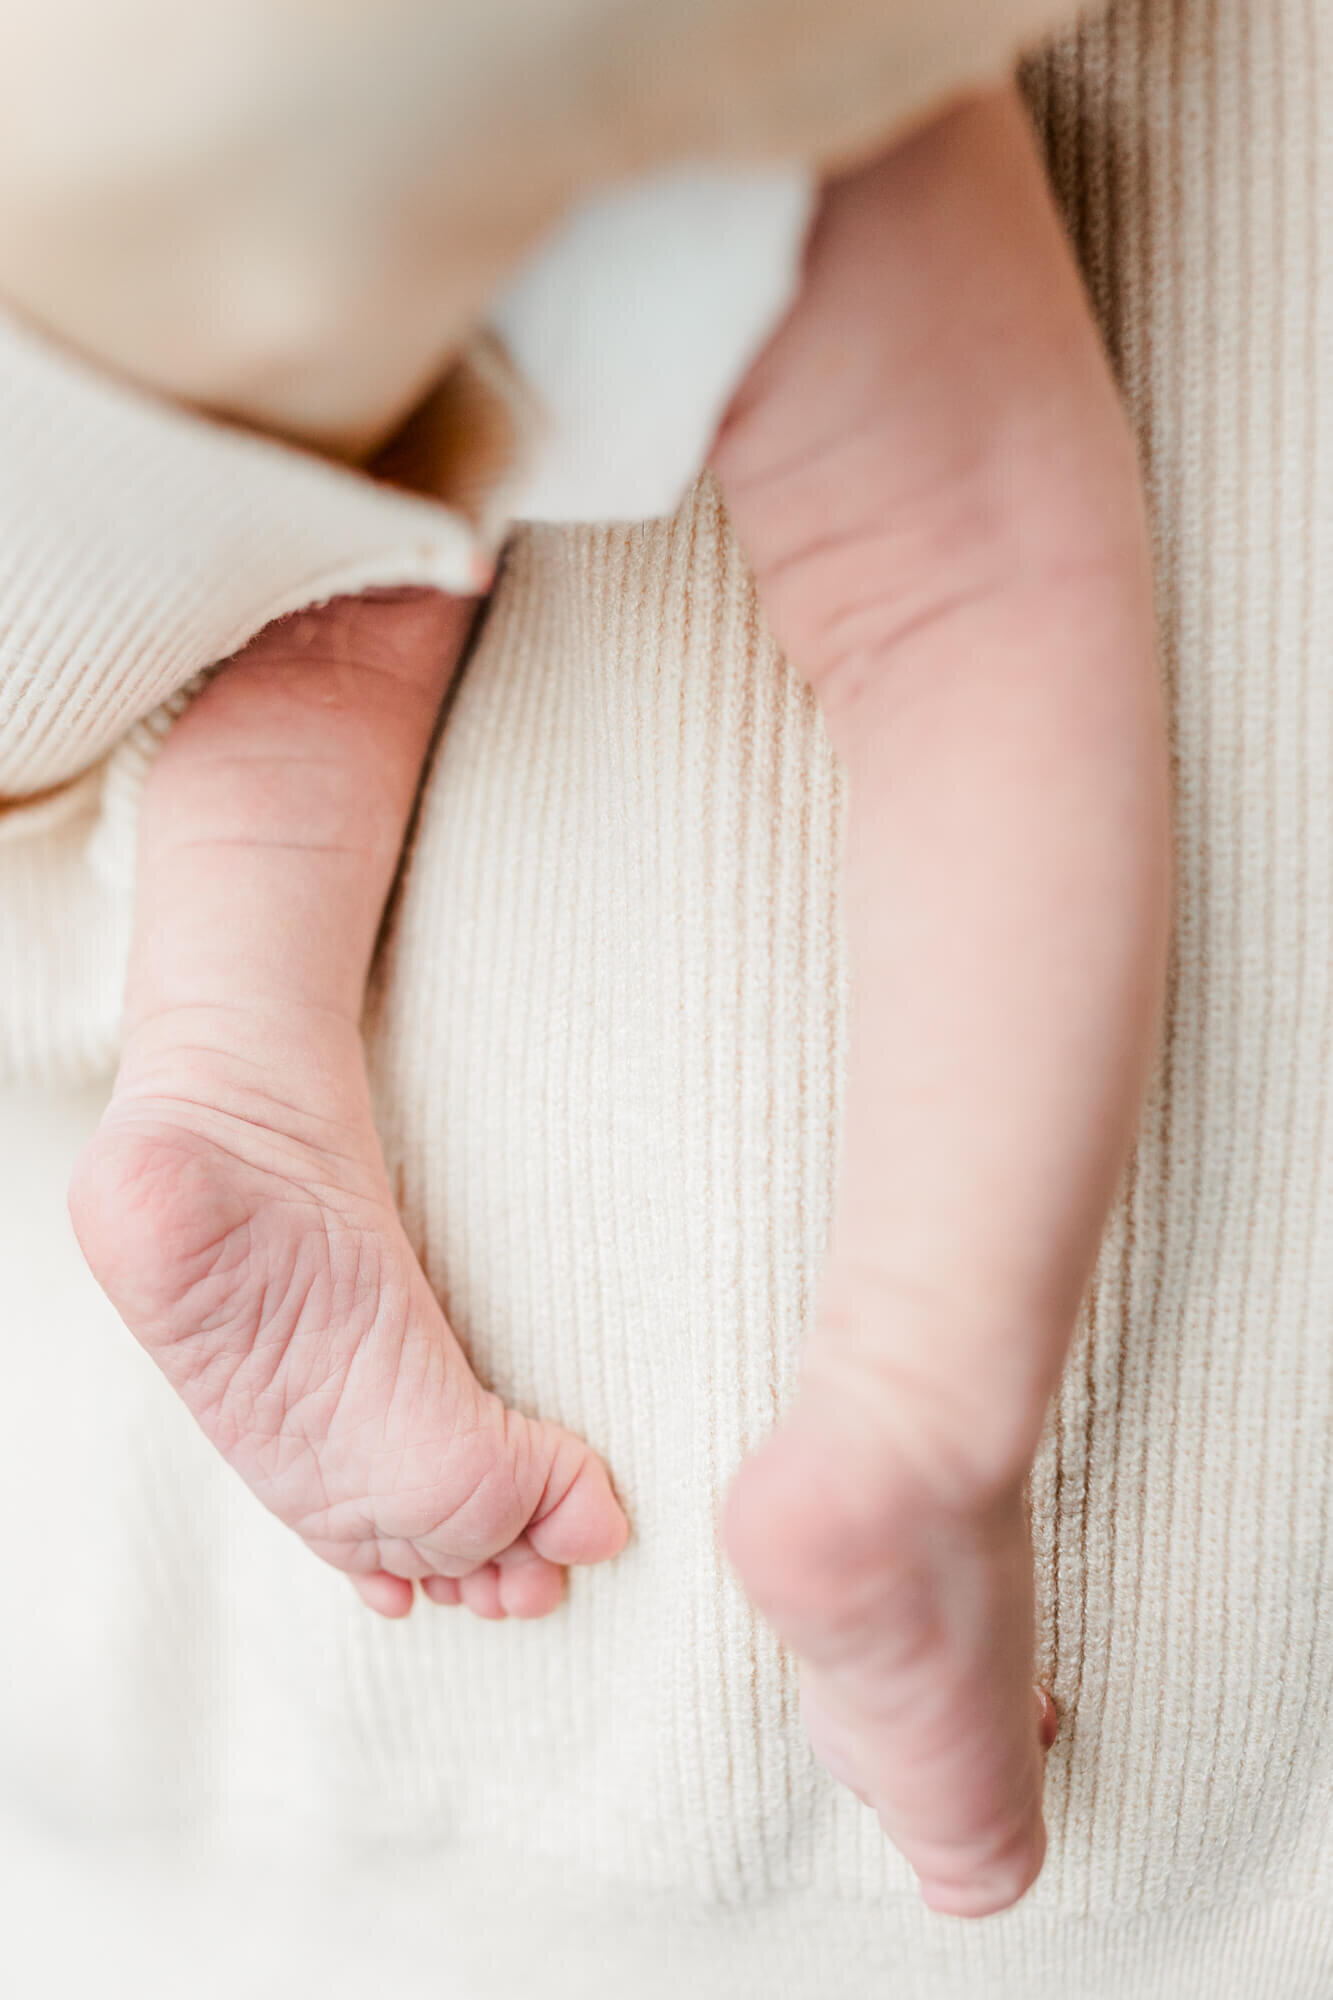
138,545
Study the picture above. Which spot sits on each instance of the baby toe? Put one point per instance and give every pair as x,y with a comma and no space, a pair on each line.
530,1587
579,1519
441,1589
390,1596
1048,1718
480,1592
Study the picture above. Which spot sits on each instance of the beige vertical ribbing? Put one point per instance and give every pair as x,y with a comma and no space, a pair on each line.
1184,1499
611,1002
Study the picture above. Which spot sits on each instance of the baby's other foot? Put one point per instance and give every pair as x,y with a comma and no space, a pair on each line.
252,1246
910,1617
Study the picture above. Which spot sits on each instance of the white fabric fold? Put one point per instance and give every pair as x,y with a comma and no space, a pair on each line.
632,326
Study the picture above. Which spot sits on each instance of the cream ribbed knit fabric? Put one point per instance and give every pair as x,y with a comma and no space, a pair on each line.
606,1037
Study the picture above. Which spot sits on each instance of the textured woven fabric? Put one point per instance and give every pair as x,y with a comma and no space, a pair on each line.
606,1033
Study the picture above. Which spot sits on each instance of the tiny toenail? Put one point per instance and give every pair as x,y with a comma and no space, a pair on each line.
1048,1718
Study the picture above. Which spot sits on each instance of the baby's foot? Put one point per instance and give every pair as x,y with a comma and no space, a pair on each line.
252,1245
909,1617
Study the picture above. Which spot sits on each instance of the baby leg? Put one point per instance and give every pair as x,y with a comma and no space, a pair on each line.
932,476
234,1202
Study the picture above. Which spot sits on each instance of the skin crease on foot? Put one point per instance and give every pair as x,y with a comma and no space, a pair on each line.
930,474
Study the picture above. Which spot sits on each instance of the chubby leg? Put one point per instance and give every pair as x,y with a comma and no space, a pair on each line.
234,1203
931,474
